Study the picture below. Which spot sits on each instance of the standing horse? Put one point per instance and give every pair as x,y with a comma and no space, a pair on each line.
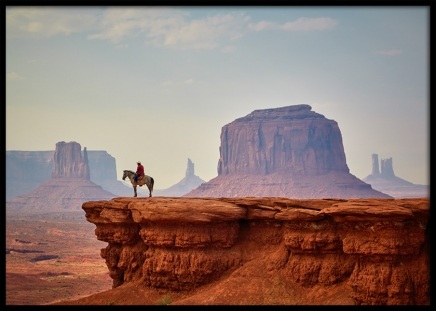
145,180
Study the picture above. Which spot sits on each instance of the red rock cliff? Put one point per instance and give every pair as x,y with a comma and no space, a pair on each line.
375,251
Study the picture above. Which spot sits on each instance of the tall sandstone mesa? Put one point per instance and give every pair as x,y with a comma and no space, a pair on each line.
67,189
68,161
289,151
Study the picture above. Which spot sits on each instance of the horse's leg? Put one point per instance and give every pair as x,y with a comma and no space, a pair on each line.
149,191
134,188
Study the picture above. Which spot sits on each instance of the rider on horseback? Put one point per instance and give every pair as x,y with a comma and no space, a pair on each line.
139,171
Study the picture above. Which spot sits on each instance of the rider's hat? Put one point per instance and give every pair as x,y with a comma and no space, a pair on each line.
139,162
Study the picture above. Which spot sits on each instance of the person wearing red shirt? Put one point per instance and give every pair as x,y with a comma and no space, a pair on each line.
139,171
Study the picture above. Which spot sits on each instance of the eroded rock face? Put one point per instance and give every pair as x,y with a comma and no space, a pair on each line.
68,161
290,139
289,152
377,248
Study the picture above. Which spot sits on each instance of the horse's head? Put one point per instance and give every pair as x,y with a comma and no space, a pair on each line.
124,175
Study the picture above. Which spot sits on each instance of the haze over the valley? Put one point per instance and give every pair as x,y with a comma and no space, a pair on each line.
157,84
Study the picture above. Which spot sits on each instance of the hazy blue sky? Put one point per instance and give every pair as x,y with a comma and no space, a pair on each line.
157,84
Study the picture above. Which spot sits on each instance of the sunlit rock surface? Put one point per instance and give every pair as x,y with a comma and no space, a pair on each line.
376,250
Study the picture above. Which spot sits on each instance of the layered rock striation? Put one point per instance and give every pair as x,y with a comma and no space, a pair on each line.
371,251
288,152
290,139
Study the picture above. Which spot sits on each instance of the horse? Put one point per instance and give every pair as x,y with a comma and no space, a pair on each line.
145,180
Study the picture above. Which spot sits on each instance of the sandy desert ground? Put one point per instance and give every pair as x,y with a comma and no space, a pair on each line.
49,259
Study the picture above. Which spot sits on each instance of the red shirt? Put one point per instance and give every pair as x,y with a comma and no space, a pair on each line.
140,170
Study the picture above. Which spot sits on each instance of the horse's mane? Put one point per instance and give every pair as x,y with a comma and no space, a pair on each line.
130,171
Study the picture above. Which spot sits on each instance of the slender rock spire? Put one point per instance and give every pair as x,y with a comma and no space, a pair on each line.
190,169
375,167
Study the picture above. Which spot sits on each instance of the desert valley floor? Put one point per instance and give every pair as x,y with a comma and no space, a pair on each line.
53,259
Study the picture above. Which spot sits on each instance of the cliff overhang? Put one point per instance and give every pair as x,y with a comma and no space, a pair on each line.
377,249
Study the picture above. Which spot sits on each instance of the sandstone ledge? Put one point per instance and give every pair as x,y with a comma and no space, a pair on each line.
377,248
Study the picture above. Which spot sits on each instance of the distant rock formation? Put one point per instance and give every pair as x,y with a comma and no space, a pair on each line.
375,167
290,139
26,170
387,169
289,152
68,188
190,169
68,161
184,186
384,180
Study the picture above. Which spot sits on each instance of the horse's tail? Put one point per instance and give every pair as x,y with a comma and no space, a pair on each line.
151,183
